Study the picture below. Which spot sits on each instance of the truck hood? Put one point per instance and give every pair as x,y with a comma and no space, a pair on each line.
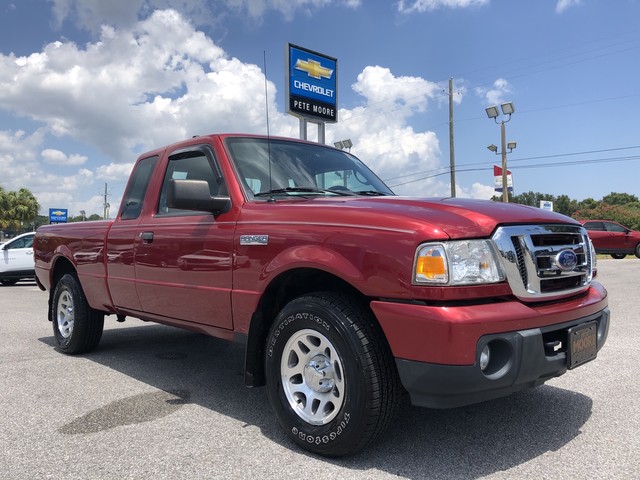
444,217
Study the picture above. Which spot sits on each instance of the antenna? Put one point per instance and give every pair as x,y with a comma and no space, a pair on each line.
266,106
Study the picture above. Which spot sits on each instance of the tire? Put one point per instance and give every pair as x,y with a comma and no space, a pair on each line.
7,282
331,378
618,256
77,327
637,251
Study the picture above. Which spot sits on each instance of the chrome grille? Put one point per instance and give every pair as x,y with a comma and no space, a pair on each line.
532,257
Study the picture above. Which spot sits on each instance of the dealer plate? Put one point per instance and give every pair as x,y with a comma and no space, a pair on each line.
583,344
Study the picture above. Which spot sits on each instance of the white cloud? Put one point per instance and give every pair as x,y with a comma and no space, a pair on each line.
380,133
18,158
114,171
162,80
156,73
477,190
497,93
92,15
20,165
56,157
288,8
563,5
421,6
379,86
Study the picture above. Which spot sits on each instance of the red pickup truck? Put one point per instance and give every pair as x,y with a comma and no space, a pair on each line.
345,295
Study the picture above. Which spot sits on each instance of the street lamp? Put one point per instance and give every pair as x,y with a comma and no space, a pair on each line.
342,144
492,112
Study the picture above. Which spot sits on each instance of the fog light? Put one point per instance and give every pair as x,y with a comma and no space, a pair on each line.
485,356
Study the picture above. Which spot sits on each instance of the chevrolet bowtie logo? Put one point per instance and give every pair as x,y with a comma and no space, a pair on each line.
313,69
57,213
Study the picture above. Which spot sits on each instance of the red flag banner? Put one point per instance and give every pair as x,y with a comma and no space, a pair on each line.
497,179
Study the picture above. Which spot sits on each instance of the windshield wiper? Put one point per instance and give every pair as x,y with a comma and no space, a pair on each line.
290,190
373,193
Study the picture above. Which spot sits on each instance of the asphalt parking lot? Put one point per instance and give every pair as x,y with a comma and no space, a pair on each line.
156,402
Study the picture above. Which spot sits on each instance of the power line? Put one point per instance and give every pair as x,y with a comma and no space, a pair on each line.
522,167
587,152
393,105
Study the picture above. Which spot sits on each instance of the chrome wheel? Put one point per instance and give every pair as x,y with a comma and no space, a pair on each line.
312,377
65,314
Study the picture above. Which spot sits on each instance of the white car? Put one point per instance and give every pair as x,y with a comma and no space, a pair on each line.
16,259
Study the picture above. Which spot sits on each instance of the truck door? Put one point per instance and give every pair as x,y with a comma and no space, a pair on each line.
122,238
184,258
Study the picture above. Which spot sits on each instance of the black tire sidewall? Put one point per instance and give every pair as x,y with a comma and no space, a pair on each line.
343,433
61,287
87,325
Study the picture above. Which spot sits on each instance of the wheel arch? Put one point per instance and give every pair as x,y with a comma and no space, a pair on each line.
282,289
61,267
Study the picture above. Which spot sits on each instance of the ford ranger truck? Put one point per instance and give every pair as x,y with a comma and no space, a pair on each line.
346,297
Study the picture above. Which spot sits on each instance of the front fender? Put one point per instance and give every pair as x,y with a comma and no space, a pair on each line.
312,256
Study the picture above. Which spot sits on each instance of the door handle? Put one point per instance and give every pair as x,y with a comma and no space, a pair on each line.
146,237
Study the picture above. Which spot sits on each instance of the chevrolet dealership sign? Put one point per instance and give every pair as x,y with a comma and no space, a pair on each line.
58,215
311,84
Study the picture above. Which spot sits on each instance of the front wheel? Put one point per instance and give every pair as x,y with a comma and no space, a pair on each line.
331,378
618,256
77,327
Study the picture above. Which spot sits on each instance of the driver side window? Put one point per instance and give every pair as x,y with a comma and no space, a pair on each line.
196,164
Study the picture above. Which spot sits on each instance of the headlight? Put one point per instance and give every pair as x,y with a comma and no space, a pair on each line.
467,262
594,260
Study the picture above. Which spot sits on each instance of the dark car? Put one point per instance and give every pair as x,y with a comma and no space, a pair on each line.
613,238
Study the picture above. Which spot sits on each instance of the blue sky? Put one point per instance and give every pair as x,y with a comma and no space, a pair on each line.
88,85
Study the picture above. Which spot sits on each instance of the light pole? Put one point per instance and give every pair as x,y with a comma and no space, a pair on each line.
342,144
492,112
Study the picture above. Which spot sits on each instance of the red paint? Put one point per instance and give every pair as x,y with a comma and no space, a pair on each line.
196,274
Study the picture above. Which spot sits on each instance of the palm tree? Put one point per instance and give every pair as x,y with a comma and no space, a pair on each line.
4,208
17,207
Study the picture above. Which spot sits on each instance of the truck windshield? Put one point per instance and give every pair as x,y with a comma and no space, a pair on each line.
280,167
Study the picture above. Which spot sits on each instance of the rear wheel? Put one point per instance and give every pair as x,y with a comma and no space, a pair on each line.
618,256
331,379
637,251
77,327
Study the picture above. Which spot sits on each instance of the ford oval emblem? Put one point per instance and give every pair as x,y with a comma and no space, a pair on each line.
566,260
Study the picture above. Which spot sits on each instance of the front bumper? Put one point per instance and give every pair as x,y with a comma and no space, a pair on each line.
526,363
437,347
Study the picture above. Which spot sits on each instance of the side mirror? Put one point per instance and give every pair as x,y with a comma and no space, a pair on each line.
195,195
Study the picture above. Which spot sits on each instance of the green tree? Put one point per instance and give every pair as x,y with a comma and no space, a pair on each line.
615,198
17,208
565,205
84,218
627,216
588,204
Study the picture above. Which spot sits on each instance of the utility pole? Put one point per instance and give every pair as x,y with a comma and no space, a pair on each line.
452,161
106,203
